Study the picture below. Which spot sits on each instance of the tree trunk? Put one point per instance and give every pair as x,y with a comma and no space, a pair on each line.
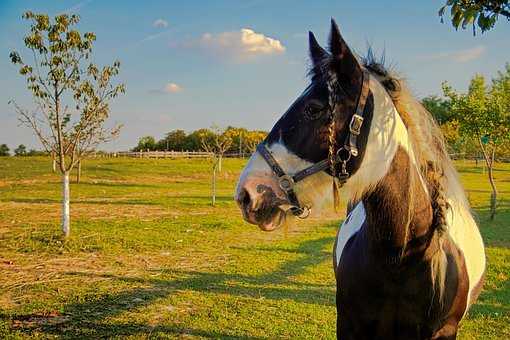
215,166
494,193
220,157
54,163
78,172
489,161
65,204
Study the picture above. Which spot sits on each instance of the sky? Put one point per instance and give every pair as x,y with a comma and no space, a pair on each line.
193,64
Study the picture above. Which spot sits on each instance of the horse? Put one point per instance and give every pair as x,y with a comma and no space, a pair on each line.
408,259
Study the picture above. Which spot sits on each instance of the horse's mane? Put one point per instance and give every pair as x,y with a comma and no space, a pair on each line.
430,152
426,137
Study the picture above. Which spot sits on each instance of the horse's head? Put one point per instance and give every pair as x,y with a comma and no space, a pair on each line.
312,130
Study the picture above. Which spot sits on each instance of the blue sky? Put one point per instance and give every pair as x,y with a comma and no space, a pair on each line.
191,64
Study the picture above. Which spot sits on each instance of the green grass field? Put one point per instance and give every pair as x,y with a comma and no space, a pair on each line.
148,257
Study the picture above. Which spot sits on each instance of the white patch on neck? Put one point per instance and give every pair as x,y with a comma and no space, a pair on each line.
387,133
350,226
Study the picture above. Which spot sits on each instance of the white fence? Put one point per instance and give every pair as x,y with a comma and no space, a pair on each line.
162,154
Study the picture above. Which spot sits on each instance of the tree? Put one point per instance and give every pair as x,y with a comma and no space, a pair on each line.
21,150
4,150
194,140
484,113
481,13
71,93
174,140
146,143
253,139
238,136
217,142
442,113
33,152
439,108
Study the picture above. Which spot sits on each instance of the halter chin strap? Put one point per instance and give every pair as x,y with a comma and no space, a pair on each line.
343,155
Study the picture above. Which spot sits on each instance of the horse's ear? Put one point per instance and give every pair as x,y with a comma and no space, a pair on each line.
344,62
317,53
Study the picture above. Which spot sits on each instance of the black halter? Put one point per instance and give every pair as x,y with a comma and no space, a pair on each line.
343,155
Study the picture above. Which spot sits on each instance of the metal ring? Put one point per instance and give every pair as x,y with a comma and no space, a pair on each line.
339,155
286,183
301,212
305,212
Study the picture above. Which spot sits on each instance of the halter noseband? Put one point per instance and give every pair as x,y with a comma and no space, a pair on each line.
343,155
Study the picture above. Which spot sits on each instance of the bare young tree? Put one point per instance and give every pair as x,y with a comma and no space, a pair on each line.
71,94
217,142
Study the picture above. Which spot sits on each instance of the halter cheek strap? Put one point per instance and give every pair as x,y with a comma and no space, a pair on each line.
287,182
351,142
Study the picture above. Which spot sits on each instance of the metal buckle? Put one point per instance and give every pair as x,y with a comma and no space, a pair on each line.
354,151
286,183
355,125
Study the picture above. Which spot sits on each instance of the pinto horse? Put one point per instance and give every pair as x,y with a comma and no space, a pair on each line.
409,258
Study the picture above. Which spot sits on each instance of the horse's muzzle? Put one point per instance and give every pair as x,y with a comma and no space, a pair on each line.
260,204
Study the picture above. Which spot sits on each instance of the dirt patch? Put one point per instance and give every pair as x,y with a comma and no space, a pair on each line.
38,320
30,214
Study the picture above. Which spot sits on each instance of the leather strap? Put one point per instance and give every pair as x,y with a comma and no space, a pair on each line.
268,156
285,181
351,143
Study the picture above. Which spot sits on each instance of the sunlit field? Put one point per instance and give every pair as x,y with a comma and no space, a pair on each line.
149,257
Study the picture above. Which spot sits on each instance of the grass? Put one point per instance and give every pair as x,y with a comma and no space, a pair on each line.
148,257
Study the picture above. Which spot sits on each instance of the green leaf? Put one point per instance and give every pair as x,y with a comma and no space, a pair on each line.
454,10
457,19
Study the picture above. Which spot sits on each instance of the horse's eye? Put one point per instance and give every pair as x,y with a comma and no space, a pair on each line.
314,111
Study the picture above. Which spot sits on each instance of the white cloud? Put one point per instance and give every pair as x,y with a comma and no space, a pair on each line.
153,36
168,88
469,54
172,88
76,8
461,56
241,45
160,23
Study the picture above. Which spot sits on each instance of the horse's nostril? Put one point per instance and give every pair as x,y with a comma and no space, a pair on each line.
244,199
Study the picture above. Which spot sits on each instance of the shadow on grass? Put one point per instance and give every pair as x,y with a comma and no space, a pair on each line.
87,319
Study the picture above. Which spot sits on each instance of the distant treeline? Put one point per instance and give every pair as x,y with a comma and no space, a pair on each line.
238,140
21,150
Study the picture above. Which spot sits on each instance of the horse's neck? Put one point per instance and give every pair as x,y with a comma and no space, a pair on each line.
398,210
